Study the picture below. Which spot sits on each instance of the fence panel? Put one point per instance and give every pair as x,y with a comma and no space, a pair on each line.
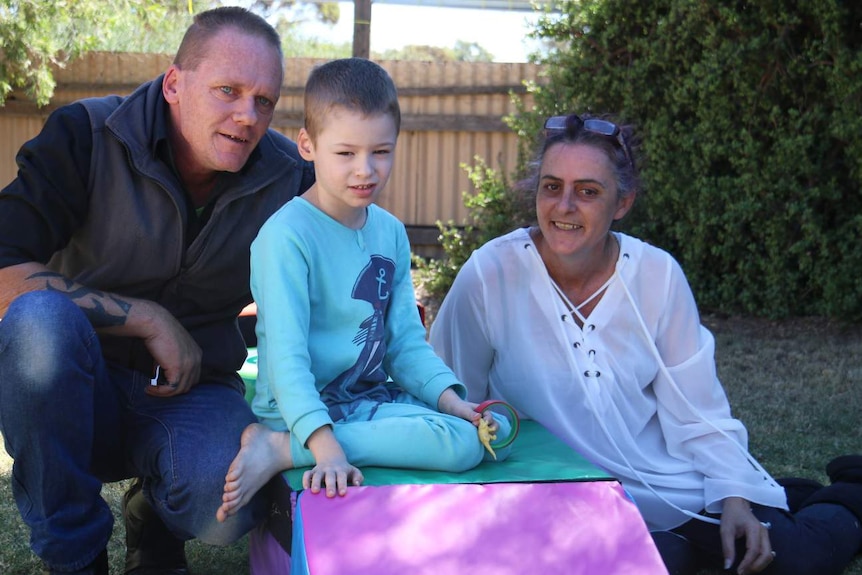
451,113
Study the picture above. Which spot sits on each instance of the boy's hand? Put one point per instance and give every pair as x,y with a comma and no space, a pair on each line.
332,471
451,404
334,476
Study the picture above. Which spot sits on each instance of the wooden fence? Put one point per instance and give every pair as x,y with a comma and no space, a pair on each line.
452,112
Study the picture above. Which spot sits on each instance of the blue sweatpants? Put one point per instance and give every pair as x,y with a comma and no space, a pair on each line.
406,433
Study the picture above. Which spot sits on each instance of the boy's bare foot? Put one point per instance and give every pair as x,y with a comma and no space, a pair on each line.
262,453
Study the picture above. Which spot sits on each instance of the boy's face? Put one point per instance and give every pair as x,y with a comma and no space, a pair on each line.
353,156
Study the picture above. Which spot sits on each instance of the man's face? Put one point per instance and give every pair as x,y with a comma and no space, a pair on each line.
221,109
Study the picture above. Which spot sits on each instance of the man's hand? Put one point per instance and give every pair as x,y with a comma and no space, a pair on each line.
165,338
172,348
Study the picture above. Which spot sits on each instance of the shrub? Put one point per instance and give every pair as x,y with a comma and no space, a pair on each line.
750,115
493,210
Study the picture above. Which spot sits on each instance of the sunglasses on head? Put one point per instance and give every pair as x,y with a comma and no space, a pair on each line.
573,122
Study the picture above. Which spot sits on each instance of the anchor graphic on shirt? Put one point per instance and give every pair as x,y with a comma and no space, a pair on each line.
366,375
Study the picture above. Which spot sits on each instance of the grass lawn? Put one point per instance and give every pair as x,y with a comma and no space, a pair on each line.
797,385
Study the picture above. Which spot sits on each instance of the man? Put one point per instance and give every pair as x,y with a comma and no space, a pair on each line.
124,248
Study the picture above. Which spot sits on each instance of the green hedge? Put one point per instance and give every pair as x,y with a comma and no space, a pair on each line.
750,115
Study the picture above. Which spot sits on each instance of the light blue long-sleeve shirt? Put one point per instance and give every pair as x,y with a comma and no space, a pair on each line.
337,318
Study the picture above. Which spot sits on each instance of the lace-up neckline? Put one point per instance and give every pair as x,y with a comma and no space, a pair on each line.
575,310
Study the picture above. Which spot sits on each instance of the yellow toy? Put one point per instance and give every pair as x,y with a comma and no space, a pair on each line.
486,437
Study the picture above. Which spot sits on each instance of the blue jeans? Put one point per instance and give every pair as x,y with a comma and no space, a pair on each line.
71,422
821,539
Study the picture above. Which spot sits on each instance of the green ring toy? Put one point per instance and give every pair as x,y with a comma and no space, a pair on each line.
513,418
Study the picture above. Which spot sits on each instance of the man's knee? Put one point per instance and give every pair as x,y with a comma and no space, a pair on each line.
43,323
41,305
199,520
40,334
236,526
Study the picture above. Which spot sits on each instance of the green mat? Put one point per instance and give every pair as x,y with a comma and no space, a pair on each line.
248,373
536,456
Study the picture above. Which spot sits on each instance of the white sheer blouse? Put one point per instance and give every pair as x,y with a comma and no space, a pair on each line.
634,390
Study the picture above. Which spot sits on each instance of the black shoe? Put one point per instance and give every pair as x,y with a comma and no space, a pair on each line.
797,490
99,566
151,548
280,520
846,468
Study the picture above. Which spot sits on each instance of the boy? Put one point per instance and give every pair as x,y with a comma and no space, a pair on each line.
345,377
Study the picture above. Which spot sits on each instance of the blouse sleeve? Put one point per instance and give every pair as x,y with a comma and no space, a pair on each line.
459,333
694,411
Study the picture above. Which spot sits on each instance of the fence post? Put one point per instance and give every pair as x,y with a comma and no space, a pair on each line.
361,28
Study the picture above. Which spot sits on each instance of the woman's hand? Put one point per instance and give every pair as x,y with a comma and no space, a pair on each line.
737,521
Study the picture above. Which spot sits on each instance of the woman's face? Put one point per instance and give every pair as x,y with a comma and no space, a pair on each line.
577,199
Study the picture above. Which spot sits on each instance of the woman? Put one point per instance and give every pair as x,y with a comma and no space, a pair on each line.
596,335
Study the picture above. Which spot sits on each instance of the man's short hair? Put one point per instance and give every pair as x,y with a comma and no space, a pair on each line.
193,50
355,84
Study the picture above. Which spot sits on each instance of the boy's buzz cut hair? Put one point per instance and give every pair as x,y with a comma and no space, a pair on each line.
356,84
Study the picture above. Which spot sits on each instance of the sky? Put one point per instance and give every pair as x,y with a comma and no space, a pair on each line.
393,26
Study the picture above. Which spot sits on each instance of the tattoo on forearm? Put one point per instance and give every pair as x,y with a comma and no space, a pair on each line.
92,302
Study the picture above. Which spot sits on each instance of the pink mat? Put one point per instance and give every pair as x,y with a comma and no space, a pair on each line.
506,529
